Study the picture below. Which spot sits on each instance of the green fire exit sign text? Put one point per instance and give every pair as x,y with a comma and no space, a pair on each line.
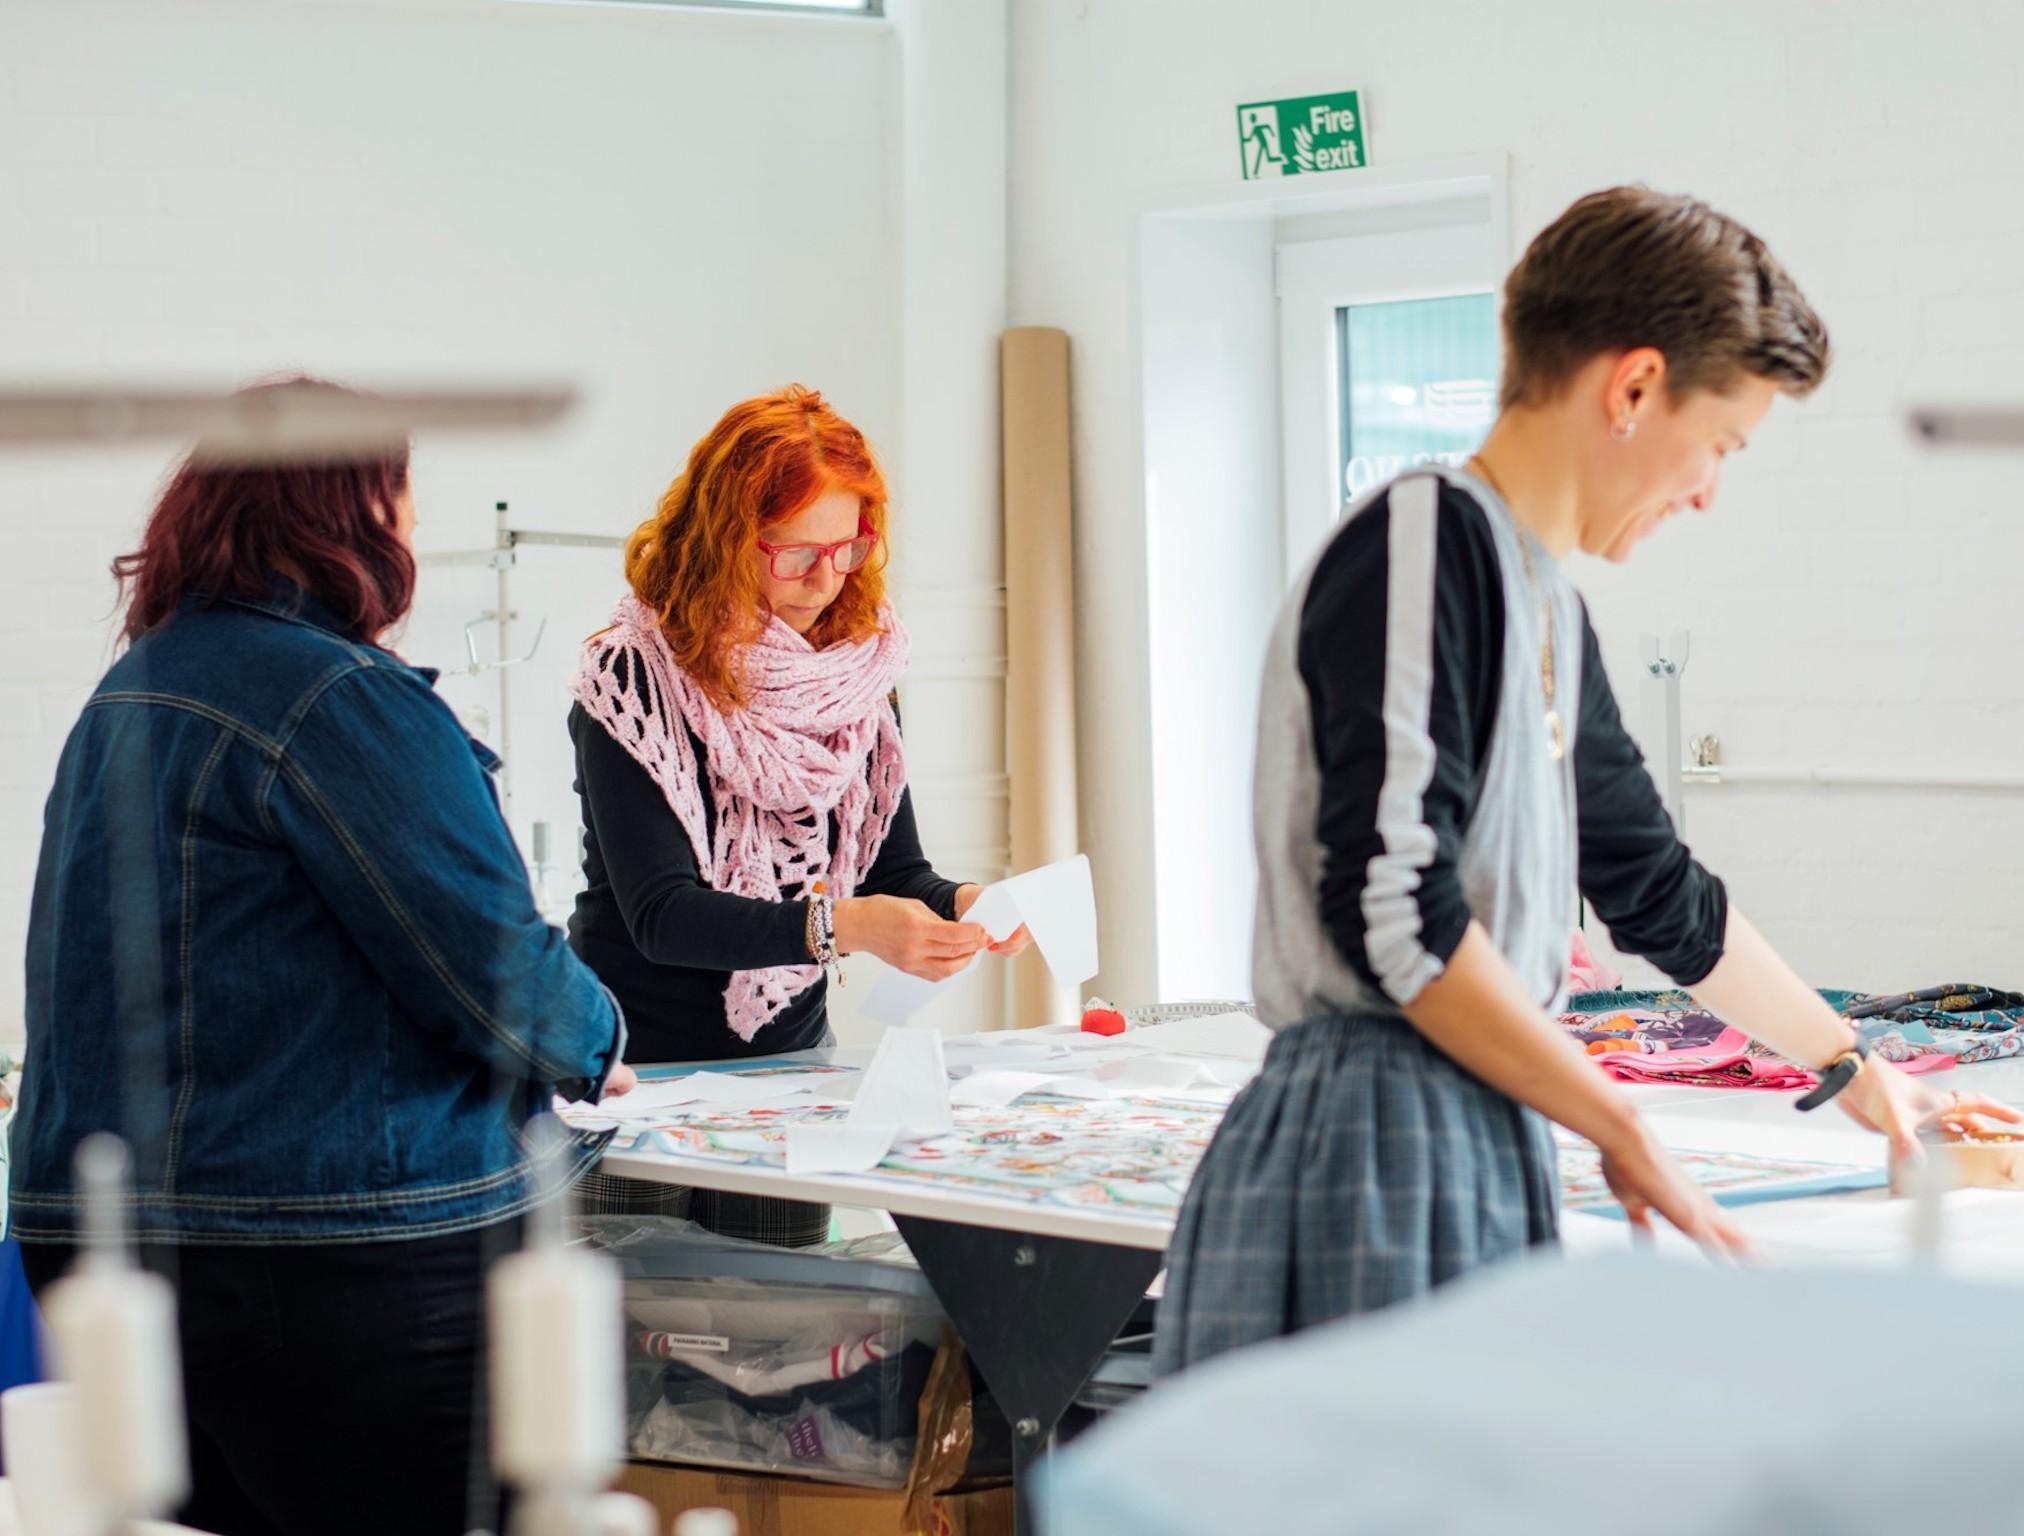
1302,135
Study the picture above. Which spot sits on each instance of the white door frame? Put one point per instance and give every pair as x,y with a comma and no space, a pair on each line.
1316,279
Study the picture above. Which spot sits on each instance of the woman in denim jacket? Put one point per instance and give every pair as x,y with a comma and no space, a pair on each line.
282,942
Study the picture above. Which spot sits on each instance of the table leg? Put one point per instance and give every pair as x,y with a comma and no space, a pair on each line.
1035,1313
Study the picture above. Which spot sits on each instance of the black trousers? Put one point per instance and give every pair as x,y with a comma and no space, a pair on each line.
335,1389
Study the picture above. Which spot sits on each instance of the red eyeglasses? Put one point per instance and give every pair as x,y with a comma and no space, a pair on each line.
791,562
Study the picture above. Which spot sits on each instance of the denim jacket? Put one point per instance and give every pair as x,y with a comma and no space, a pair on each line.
282,942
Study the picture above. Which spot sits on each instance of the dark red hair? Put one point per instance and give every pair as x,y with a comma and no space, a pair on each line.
224,529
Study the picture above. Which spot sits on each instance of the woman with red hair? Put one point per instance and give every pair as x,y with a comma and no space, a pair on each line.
281,942
745,809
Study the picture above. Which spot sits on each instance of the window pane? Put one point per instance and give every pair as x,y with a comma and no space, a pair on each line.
1419,383
861,7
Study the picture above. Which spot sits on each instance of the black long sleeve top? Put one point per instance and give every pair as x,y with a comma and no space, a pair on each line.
666,944
1358,670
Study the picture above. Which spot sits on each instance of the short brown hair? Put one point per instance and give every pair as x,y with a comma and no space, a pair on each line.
1631,267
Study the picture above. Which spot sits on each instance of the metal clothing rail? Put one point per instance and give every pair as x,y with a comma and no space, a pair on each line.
502,556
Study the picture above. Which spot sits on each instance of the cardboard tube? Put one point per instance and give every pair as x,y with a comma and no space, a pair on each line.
1039,634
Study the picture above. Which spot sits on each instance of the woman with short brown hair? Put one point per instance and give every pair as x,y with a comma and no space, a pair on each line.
1440,769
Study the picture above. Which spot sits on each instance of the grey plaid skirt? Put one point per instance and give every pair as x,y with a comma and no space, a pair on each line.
1359,1168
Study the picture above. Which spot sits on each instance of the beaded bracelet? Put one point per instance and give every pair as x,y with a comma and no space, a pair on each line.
821,935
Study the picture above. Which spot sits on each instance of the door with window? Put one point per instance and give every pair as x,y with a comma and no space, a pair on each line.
1388,359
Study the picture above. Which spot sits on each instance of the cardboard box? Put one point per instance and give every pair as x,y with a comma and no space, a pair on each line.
793,1506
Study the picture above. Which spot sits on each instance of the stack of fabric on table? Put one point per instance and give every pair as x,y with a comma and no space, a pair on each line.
1972,1023
1667,1037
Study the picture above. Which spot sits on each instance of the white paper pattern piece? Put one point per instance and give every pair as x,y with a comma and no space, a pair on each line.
1082,1088
703,1088
1056,904
1151,1072
906,1085
1218,1034
822,1087
994,1090
904,1092
896,997
837,1147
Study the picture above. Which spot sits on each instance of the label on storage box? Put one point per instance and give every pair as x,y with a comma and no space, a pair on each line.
665,1346
804,1440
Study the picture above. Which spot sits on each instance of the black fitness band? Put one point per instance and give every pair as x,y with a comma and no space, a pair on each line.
1835,1076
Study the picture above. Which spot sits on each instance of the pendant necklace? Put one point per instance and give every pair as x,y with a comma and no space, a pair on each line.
1556,734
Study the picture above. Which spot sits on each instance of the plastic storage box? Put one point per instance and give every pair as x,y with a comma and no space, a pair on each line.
804,1361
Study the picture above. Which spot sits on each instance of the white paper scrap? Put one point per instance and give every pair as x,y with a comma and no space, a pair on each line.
1229,1073
727,1088
982,1050
965,1055
994,1090
838,1147
644,1098
907,1083
1218,1034
896,997
1056,903
1083,1087
829,1087
1151,1072
996,911
1063,1035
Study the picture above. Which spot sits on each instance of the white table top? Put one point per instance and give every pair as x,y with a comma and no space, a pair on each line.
964,1208
1706,1119
935,1202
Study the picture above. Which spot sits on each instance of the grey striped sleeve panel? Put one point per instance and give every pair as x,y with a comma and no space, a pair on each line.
1383,682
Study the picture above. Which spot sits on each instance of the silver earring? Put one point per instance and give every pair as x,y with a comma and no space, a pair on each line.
1624,430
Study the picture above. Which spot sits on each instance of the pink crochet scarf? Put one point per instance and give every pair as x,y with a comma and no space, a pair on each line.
817,734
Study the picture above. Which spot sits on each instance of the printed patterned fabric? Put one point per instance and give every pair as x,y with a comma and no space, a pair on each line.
1585,973
1956,1005
1666,1037
1989,1047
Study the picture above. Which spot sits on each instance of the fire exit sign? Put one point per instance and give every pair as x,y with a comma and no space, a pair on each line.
1302,135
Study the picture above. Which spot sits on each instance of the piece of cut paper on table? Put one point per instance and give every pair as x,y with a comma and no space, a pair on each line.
707,1088
1056,904
995,1090
907,1083
1082,1087
904,1092
1039,1057
728,1088
1151,1072
826,1087
1230,1073
838,1147
980,1052
1217,1034
1067,1037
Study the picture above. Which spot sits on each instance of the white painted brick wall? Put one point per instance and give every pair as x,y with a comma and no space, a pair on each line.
443,189
1851,598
